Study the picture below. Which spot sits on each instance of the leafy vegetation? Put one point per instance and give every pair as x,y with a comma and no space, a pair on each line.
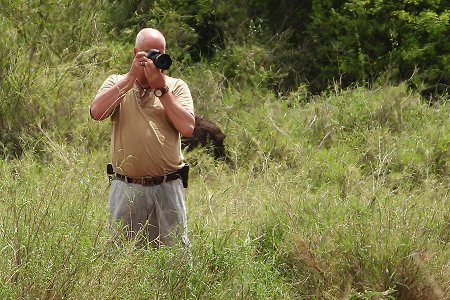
340,186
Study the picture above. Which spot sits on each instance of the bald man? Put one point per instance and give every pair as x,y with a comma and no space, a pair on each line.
149,112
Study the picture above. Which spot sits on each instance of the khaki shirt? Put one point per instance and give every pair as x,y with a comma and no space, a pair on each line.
143,140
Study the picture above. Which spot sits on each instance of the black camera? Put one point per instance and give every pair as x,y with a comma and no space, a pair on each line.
161,60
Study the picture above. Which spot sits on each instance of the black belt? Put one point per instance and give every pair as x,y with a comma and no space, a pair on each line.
149,181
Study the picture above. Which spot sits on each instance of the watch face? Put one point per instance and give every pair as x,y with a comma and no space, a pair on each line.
161,91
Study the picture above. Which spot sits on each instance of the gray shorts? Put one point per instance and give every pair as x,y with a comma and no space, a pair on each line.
156,214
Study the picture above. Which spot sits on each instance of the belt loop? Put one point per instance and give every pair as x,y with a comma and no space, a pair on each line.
164,178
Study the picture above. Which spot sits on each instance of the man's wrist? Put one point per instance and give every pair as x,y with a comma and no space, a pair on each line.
127,82
161,91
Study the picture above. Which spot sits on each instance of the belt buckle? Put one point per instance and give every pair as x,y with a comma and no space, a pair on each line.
147,181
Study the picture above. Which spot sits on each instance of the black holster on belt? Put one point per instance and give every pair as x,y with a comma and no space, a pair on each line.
184,174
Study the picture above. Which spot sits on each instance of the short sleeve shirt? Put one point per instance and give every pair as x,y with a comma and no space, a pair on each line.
144,142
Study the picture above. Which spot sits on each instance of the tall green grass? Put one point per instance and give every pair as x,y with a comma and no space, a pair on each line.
344,196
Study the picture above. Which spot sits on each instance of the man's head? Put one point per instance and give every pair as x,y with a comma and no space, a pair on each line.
149,38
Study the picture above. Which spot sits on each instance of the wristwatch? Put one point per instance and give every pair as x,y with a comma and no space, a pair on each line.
161,91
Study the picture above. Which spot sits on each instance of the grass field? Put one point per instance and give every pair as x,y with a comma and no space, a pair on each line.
343,196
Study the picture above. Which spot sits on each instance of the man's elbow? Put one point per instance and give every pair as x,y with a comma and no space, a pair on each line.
96,115
188,130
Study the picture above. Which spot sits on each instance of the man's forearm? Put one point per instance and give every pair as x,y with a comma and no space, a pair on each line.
181,118
106,102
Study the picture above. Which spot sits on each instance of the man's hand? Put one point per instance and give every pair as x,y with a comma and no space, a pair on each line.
155,77
139,62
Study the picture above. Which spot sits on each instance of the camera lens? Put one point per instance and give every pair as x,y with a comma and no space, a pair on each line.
161,61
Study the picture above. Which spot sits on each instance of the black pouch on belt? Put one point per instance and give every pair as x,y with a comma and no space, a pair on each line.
184,173
110,172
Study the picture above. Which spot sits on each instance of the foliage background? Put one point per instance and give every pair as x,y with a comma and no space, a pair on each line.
337,120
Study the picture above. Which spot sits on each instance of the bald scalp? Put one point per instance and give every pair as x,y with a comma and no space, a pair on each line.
150,37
